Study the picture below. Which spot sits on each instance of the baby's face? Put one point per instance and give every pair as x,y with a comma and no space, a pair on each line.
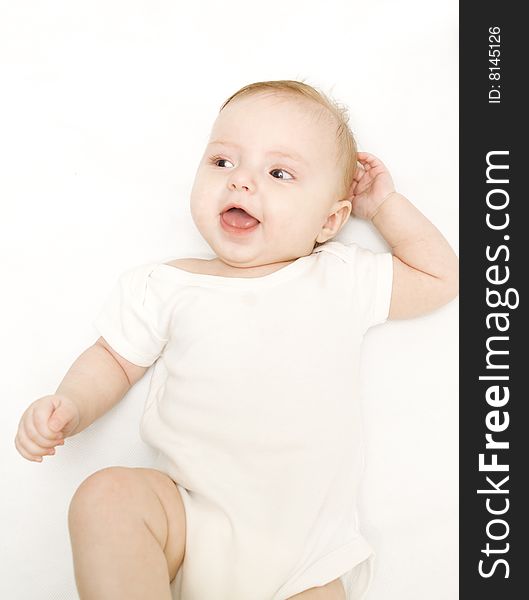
245,163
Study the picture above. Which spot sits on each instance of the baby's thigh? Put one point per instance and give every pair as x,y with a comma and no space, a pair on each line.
145,496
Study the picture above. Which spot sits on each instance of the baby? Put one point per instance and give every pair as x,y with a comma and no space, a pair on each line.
253,402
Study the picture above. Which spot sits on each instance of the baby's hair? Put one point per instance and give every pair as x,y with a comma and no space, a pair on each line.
347,150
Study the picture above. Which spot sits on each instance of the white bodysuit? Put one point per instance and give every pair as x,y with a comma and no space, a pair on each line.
253,407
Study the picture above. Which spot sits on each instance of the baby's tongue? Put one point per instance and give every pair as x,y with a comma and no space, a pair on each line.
237,217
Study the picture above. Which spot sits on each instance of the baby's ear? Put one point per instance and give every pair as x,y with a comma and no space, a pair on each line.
344,209
335,221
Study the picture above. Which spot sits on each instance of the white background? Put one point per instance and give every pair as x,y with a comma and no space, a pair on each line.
105,110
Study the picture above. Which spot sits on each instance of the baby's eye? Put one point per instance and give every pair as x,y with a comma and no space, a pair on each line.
216,159
282,171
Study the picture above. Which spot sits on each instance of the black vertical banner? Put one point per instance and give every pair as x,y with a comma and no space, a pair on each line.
494,256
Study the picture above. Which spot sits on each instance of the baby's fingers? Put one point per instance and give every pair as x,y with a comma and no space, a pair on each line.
360,171
36,436
367,157
39,419
29,449
370,161
22,450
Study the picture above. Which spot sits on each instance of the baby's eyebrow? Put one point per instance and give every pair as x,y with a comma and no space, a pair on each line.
277,152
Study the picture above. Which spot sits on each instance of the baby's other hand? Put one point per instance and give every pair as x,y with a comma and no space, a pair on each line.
371,186
44,425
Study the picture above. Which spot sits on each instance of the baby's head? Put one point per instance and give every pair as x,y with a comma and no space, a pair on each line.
282,152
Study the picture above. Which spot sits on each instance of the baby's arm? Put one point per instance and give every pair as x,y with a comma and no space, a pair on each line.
98,380
95,382
425,268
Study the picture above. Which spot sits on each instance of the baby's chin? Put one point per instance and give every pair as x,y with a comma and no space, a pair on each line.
251,249
249,257
241,249
242,258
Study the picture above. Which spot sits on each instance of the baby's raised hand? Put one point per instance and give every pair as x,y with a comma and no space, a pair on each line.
371,186
44,425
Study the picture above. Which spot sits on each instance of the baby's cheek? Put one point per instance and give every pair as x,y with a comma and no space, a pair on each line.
295,231
199,208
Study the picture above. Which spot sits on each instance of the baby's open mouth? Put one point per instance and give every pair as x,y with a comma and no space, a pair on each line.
239,218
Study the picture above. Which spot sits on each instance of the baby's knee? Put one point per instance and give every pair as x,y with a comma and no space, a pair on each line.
100,495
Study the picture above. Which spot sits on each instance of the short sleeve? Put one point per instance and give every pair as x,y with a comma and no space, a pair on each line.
131,320
366,283
374,272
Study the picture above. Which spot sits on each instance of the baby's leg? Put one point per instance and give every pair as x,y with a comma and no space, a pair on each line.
332,591
127,530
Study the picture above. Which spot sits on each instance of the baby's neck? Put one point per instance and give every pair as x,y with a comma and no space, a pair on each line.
219,267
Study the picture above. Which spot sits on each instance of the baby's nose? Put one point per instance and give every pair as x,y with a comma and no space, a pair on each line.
241,179
236,186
